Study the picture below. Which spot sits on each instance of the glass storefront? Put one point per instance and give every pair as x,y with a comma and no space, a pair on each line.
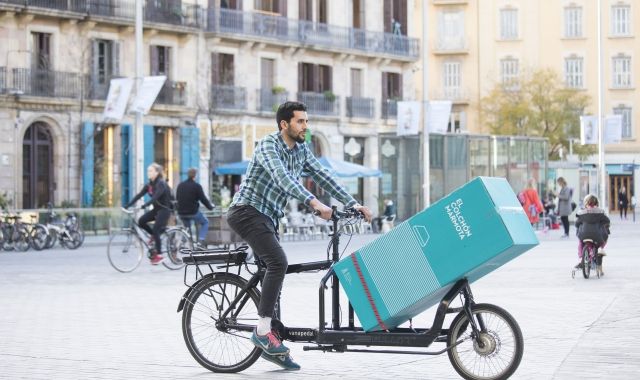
454,160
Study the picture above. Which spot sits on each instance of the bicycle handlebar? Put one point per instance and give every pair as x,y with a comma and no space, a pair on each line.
337,215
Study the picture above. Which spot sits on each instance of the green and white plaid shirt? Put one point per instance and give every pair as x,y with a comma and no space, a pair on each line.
273,176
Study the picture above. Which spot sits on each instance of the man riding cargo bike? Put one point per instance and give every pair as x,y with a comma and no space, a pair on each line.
229,320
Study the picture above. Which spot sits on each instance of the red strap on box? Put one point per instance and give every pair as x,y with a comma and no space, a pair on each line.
367,292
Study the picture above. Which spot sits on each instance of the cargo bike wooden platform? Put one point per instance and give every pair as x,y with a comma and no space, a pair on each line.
219,313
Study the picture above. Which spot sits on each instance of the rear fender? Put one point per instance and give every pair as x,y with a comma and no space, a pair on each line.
186,294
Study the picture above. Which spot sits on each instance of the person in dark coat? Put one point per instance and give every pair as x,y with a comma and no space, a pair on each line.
161,212
592,223
623,201
189,194
564,204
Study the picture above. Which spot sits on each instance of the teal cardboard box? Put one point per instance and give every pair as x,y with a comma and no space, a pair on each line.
469,233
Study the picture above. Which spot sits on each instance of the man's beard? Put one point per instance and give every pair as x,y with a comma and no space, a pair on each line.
297,138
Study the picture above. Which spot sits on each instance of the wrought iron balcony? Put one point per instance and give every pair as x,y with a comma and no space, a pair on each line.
269,99
324,104
360,107
451,45
173,93
97,88
283,30
456,95
389,109
228,98
47,83
172,12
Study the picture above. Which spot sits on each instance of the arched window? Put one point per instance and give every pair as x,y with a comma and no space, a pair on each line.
37,166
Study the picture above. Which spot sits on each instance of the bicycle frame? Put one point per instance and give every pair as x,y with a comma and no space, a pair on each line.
336,337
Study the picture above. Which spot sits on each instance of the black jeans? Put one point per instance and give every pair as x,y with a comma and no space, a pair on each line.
161,217
260,233
565,224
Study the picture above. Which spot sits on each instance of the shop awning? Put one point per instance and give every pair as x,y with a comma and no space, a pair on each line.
233,168
341,168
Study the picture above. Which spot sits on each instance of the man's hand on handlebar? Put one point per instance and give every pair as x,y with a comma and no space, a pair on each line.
365,211
323,210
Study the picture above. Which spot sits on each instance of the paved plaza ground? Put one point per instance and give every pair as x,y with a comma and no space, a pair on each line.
69,315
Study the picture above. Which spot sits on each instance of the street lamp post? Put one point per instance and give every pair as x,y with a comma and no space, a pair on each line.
137,133
426,182
601,124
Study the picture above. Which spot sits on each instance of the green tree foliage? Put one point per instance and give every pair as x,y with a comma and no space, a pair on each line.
538,105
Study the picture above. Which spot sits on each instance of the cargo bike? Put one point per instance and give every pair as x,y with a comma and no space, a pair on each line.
219,313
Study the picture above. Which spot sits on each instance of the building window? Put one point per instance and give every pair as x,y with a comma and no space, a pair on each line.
509,71
161,60
222,69
272,6
41,51
452,79
626,112
319,13
391,86
508,24
573,22
314,78
395,16
620,20
105,61
451,30
574,72
356,83
621,72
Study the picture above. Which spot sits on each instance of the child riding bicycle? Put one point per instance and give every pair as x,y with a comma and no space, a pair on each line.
593,224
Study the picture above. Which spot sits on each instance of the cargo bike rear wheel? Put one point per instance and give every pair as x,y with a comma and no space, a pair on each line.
493,352
209,339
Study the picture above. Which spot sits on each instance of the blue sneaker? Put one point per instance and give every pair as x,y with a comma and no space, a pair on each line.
284,361
269,343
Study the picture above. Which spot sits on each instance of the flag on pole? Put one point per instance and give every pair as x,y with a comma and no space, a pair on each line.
588,130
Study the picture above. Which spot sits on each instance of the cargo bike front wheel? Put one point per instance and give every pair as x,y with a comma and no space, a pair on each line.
492,350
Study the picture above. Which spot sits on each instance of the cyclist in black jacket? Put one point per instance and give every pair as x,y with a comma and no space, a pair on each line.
189,194
161,200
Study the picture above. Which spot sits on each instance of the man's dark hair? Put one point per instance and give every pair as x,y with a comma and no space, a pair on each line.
285,111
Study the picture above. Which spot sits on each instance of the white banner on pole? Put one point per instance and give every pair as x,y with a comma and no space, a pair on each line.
408,118
439,115
117,99
588,130
149,91
613,129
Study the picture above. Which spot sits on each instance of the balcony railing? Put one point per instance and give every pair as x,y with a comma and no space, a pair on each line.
285,30
268,100
47,83
451,44
173,93
453,94
389,109
324,104
360,107
228,98
3,79
172,12
97,88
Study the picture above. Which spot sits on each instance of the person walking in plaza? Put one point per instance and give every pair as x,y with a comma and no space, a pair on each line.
273,176
189,195
564,204
161,211
623,202
532,205
592,223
